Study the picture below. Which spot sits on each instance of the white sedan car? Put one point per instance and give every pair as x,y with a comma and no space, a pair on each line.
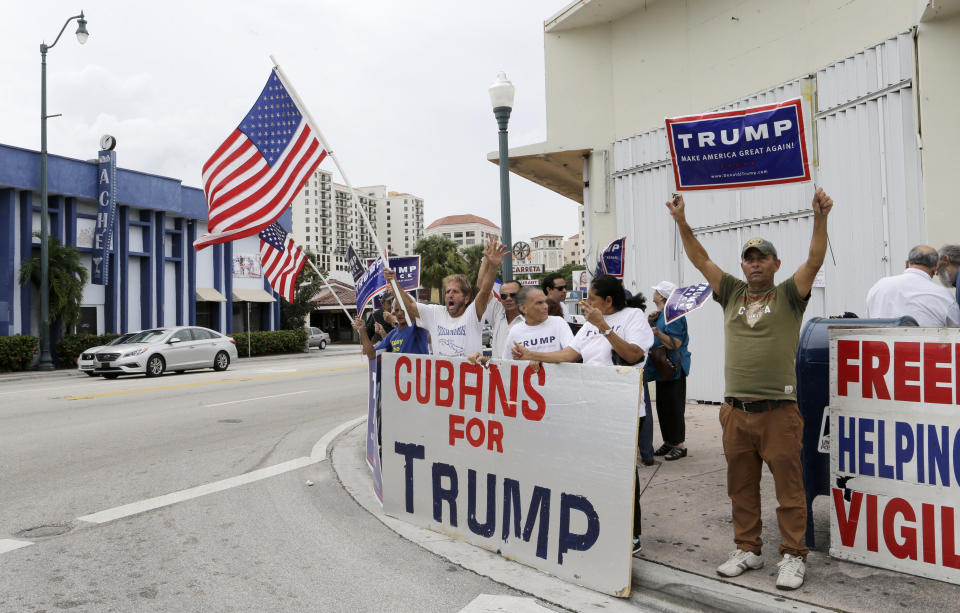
155,351
86,362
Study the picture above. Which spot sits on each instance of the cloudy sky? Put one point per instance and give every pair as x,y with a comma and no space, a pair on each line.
398,88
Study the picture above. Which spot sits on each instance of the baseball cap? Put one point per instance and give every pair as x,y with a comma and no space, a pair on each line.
760,244
664,288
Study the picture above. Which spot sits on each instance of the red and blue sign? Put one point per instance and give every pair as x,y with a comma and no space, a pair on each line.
761,145
611,260
685,299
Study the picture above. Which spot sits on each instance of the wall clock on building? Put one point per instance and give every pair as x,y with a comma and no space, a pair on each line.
107,142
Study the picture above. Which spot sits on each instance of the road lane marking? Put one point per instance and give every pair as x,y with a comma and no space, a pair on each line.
319,451
8,545
221,381
220,404
489,603
33,389
318,454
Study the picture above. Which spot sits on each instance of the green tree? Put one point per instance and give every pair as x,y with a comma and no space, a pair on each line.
308,284
439,257
67,277
473,256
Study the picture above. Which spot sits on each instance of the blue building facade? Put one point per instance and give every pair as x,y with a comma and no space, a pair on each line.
155,277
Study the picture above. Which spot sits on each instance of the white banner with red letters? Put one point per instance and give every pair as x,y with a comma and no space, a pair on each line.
895,449
538,467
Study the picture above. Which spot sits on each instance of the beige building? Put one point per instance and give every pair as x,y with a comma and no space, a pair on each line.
878,88
464,230
573,250
325,221
547,249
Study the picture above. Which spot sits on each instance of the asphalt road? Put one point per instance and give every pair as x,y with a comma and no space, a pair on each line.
75,447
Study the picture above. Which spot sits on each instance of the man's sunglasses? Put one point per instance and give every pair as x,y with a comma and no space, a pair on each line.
562,288
507,295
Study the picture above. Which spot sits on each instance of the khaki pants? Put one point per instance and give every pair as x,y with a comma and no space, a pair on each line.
776,438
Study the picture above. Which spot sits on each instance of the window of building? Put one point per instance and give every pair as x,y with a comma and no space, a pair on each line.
458,235
470,241
470,233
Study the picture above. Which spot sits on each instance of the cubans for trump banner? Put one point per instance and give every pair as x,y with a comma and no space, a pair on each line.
762,145
537,466
895,449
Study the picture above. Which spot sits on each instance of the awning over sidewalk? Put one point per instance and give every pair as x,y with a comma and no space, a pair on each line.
252,295
559,171
208,294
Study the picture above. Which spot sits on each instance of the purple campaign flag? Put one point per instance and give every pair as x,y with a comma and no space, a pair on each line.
407,268
611,260
685,299
370,283
353,261
373,427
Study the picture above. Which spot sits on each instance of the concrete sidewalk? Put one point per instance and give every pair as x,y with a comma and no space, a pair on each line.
687,533
687,526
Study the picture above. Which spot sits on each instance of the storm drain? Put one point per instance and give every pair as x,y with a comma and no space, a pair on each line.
44,531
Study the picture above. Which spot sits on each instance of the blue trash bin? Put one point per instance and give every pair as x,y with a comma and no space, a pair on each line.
813,394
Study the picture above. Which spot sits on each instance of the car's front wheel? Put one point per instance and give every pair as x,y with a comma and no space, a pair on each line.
323,344
90,373
155,366
221,361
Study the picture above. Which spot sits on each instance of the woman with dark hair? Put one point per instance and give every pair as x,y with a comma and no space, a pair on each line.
672,392
612,329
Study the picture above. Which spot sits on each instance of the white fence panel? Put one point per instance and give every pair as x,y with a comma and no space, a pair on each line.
861,135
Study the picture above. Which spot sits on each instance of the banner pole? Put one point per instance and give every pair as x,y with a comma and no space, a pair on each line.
324,279
326,146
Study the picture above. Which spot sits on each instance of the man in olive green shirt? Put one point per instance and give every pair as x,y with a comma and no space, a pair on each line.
760,418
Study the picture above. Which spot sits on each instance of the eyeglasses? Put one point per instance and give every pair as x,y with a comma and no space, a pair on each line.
507,295
561,288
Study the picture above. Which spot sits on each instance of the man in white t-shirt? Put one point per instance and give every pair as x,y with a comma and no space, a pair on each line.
454,326
538,331
502,315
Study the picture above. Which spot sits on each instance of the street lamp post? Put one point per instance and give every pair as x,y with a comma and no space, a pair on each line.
501,99
46,360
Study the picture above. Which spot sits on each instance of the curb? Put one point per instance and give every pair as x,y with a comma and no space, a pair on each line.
656,587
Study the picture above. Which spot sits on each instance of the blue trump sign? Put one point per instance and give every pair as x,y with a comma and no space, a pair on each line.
686,299
106,213
762,145
407,268
611,259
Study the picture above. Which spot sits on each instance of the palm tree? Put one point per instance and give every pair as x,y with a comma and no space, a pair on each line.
473,256
67,278
439,257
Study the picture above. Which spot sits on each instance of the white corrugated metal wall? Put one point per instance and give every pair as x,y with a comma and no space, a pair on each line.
865,153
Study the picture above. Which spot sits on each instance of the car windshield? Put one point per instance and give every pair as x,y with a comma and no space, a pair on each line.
147,336
120,339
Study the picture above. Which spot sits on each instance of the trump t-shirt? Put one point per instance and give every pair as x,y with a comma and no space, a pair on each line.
552,334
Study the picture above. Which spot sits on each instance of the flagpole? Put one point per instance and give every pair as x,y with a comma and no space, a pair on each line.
326,146
324,279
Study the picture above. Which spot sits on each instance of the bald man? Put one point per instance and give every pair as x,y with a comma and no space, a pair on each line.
914,293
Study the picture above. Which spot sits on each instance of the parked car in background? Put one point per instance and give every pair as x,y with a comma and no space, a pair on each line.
86,362
158,350
317,338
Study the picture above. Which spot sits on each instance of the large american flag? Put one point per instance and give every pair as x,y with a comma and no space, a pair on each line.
281,260
252,177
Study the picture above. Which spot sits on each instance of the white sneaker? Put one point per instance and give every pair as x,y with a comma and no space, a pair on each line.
738,562
791,574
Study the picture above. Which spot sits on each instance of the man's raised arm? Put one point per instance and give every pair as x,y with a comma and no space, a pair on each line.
493,253
695,251
390,276
803,278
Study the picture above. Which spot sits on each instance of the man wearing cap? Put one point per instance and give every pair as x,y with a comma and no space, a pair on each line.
760,419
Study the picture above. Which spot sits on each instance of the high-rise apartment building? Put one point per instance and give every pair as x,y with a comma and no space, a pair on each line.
326,221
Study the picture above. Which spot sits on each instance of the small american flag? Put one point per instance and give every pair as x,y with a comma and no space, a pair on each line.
252,177
281,259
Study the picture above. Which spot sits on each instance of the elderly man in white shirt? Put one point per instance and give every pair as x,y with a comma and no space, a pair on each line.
914,293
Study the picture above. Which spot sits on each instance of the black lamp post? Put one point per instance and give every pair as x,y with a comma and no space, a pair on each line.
46,359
